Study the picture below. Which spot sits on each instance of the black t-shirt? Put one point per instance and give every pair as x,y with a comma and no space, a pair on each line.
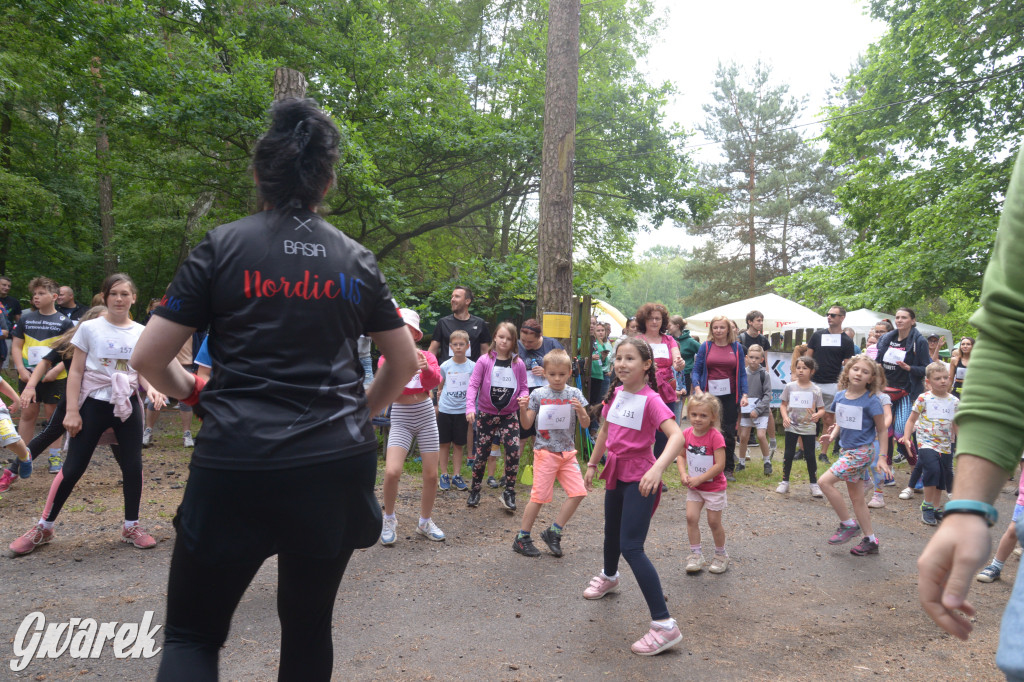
500,396
286,296
829,358
896,376
535,358
75,313
55,358
760,340
474,326
12,306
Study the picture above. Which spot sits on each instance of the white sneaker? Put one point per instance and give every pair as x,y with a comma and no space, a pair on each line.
189,443
695,563
147,437
388,533
906,493
430,531
1018,551
816,491
783,488
877,501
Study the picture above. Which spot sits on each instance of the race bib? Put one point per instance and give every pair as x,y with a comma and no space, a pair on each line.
804,399
748,408
415,382
719,387
831,340
114,349
961,372
553,417
894,356
628,410
941,409
37,353
469,352
849,416
456,385
698,463
503,377
660,351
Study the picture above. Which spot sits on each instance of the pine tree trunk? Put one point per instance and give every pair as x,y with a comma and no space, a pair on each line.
554,271
288,84
105,184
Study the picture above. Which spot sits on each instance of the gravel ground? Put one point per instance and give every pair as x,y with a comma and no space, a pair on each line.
790,607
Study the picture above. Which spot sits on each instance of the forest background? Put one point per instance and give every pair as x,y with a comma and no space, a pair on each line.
126,129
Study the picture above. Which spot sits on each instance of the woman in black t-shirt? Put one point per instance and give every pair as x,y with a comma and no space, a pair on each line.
286,460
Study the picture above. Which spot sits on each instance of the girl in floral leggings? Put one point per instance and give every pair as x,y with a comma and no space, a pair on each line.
498,380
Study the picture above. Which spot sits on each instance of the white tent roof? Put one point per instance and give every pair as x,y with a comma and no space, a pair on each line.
778,312
606,312
863,320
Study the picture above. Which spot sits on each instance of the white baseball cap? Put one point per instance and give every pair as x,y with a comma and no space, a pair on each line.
412,319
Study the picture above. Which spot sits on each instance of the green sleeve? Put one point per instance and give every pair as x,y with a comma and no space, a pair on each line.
991,414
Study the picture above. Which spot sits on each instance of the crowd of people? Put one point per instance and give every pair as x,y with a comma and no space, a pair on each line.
656,396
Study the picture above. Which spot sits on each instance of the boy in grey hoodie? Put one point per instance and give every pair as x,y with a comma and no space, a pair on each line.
755,413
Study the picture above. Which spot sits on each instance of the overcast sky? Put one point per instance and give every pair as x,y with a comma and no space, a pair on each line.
806,41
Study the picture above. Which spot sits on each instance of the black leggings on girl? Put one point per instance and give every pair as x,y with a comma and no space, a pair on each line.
790,452
627,518
54,429
97,417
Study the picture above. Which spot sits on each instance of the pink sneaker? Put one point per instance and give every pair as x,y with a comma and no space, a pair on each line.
137,535
657,640
600,586
32,539
6,479
844,534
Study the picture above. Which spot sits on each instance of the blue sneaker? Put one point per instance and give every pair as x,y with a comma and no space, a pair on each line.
56,462
24,468
444,482
459,484
920,486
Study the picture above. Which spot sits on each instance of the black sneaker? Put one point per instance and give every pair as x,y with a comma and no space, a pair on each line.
524,545
553,540
768,468
823,458
491,482
740,465
730,477
865,547
508,500
474,498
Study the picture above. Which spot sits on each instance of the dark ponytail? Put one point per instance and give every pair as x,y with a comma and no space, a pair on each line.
294,160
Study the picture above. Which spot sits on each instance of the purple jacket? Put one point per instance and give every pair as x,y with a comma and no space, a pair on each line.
480,383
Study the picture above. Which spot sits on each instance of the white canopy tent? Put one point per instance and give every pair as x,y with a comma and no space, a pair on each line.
862,320
779,313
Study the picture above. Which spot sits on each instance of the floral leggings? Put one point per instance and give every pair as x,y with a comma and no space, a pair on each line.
506,428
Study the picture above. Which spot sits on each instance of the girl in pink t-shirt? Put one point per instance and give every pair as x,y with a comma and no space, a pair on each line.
702,473
633,412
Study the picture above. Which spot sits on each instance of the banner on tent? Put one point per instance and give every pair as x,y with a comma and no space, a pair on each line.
778,368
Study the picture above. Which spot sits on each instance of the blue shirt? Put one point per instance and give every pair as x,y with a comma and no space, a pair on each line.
453,398
203,356
871,406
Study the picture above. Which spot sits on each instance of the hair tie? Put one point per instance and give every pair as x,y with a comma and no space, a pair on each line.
301,134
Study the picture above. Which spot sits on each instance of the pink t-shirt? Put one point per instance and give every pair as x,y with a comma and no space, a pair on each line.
663,370
1020,495
721,362
700,454
631,433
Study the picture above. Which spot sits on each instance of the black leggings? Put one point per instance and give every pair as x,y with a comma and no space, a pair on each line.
627,518
730,413
54,429
97,417
660,439
812,463
267,513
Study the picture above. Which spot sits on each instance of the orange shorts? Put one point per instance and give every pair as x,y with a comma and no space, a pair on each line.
547,466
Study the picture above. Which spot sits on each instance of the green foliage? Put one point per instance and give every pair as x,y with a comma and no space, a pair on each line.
774,201
952,310
926,126
659,277
440,105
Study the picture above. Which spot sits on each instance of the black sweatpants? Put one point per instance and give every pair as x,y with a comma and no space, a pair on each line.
730,413
627,518
229,523
97,417
790,453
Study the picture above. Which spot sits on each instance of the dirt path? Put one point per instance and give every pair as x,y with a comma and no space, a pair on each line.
790,607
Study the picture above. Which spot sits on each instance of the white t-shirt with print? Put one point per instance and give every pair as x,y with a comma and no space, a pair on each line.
108,349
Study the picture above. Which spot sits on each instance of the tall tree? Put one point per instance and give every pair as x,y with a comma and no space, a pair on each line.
924,147
774,194
554,243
